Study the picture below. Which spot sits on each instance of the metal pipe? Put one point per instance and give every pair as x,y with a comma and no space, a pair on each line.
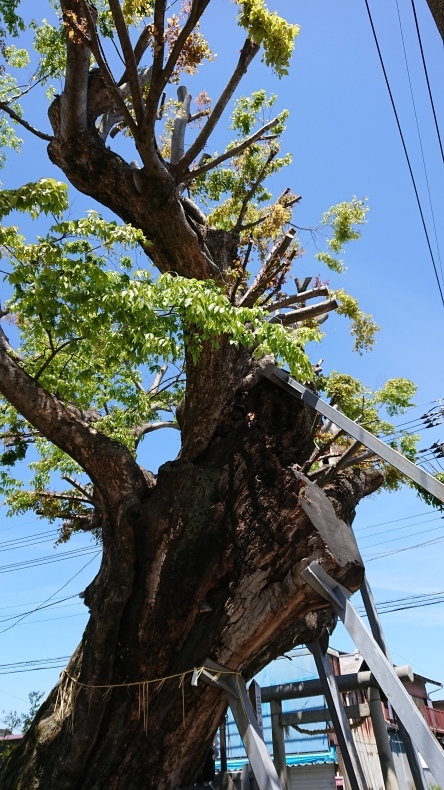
313,688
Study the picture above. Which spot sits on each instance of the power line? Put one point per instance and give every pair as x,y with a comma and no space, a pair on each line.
29,540
406,548
396,529
51,619
420,140
427,78
17,526
397,520
51,596
405,152
48,560
410,601
39,608
34,665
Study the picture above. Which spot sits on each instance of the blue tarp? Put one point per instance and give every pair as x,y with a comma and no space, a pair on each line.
311,758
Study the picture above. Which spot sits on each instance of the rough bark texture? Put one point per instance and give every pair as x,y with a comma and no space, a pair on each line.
218,547
206,561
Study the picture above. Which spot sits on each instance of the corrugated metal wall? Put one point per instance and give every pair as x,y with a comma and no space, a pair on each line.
312,777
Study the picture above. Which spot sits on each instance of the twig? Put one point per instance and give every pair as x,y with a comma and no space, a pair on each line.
130,60
248,52
249,195
106,71
24,123
237,149
80,488
268,214
48,361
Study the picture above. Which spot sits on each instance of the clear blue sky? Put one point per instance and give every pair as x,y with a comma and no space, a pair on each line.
344,141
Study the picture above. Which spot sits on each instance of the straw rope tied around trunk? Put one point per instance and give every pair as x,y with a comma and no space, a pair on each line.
69,689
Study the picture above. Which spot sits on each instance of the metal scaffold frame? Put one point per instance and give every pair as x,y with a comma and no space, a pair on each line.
413,727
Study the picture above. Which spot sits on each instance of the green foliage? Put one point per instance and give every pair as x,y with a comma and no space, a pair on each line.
16,58
271,31
14,24
362,404
50,43
367,407
22,721
8,137
223,190
44,196
93,327
363,328
342,219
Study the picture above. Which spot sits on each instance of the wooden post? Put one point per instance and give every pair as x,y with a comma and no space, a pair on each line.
382,740
355,774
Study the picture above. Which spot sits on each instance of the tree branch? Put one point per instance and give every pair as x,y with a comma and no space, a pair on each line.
130,60
348,458
106,72
197,9
67,497
74,99
156,88
248,51
304,313
102,458
256,222
158,378
257,287
83,490
180,124
237,149
251,192
149,427
22,122
53,353
303,296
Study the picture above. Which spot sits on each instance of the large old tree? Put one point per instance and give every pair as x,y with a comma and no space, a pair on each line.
166,319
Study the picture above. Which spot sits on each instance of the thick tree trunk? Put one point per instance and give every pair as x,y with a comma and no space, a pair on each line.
206,562
219,545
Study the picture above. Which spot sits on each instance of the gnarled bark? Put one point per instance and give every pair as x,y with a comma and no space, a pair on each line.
219,544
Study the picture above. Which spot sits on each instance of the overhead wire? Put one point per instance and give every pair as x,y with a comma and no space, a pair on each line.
396,520
39,608
398,529
427,77
405,548
51,596
48,560
402,537
420,140
432,257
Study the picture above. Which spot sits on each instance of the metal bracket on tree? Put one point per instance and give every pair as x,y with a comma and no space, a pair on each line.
246,722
